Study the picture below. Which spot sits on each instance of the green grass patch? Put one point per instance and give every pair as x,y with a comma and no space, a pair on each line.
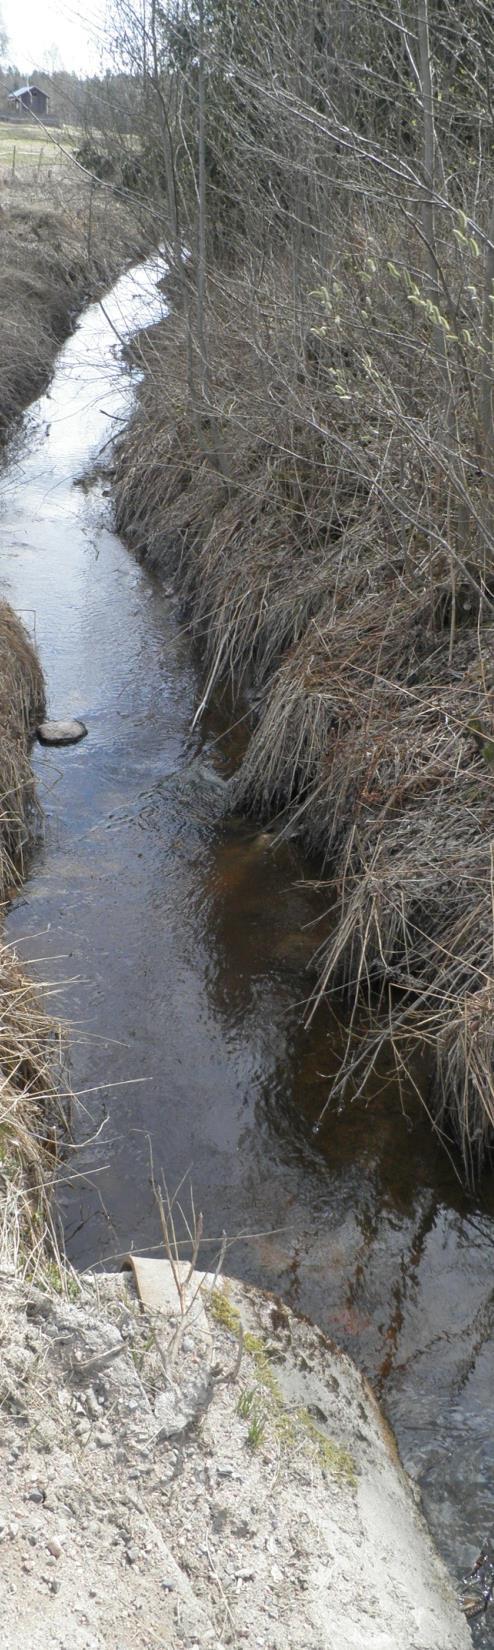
224,1313
62,1282
332,1457
256,1432
264,1406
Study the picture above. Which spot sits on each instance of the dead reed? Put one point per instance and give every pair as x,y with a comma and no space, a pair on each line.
21,707
30,1112
29,1039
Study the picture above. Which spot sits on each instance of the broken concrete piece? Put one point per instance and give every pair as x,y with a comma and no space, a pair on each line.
158,1288
61,733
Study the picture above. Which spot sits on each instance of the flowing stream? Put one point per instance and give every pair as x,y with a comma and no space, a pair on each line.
177,939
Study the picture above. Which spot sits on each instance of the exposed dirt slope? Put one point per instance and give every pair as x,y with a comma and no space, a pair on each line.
166,1485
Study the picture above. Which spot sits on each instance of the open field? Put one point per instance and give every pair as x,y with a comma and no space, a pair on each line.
32,156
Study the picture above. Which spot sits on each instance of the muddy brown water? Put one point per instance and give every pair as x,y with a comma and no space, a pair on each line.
177,939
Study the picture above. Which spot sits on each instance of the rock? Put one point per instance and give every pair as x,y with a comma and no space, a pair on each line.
38,1305
61,733
104,1440
92,1405
171,1415
54,1547
83,1431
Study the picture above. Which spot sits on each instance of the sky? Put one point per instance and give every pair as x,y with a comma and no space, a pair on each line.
54,34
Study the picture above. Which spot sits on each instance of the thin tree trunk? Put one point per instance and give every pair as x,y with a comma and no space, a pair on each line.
428,160
487,347
201,224
166,140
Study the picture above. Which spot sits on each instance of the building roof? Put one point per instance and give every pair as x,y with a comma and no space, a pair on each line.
21,91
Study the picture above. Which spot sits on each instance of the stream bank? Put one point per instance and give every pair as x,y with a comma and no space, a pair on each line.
176,939
61,246
29,1063
373,663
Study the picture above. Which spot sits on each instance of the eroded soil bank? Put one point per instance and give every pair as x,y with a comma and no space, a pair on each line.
178,938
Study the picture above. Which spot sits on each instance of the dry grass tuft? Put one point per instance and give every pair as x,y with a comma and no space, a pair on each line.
29,1112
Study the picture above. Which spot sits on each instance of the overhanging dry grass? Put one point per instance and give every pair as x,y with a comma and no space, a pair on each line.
331,548
22,703
29,1111
29,1048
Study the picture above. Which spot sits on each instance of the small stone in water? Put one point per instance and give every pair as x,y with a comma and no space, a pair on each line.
61,733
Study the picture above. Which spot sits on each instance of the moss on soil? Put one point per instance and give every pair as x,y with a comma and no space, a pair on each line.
264,1407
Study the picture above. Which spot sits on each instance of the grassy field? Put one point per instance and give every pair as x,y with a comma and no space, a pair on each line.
30,155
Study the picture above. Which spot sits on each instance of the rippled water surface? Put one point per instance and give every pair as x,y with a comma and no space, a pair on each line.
179,940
